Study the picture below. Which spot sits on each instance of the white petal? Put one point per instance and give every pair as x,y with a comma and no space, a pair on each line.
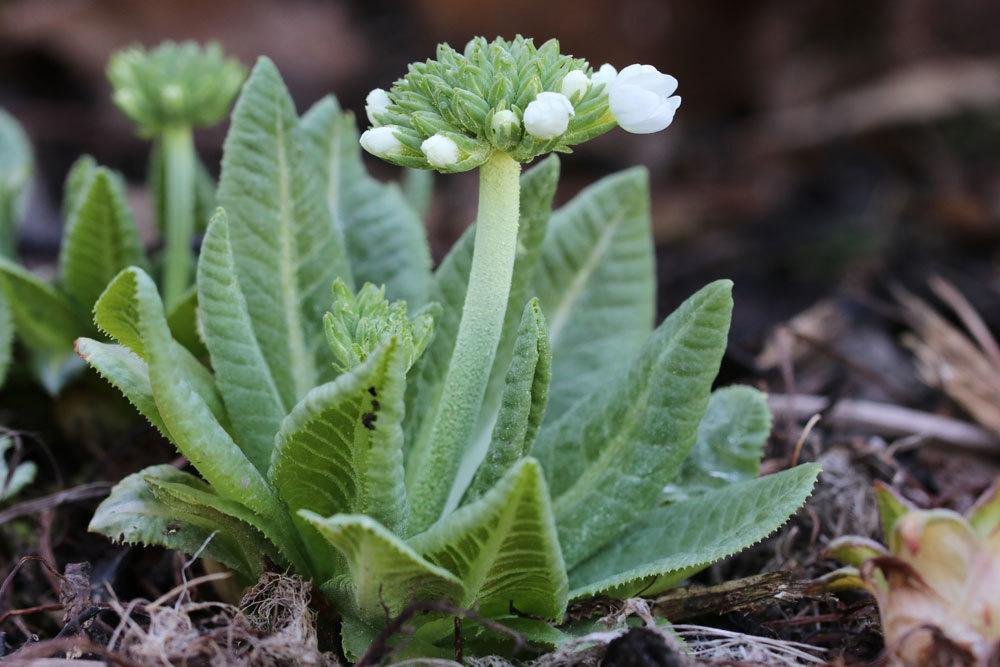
659,118
381,140
631,104
648,78
440,151
604,76
575,83
547,116
376,102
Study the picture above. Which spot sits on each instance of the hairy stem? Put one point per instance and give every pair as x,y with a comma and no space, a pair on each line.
433,471
179,174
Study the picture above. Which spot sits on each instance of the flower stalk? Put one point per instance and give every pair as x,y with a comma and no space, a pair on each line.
478,337
177,144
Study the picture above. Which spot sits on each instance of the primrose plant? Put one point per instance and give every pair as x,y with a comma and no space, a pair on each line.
497,433
166,91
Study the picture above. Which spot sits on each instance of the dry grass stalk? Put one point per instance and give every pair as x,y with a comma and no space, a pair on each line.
966,366
271,627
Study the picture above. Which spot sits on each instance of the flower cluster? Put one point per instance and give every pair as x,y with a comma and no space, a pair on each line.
451,113
358,324
174,85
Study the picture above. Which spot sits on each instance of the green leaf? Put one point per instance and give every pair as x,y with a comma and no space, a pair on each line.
891,507
77,181
523,404
117,315
503,547
193,428
382,568
730,443
183,322
133,514
6,338
538,187
100,239
854,550
684,537
385,237
16,166
127,373
596,284
45,320
984,515
204,191
256,535
286,259
613,452
340,449
12,482
242,374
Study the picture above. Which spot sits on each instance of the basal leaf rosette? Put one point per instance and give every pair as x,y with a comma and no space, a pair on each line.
175,84
452,112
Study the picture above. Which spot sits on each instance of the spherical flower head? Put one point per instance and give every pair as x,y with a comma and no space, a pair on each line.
642,100
376,103
382,141
440,151
575,84
547,116
478,98
174,85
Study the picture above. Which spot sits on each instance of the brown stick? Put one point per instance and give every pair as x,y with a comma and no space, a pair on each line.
36,505
888,420
729,596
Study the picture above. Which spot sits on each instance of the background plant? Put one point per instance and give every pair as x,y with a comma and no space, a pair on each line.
167,92
326,472
99,239
937,570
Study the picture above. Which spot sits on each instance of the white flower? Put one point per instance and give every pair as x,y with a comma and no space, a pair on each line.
440,151
604,76
547,116
376,102
641,101
381,140
575,83
505,119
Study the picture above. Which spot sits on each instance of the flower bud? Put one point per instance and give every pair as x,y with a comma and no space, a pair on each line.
377,102
640,99
440,151
604,77
575,84
381,140
505,120
547,116
359,323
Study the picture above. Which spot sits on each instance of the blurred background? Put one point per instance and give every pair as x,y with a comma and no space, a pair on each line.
823,149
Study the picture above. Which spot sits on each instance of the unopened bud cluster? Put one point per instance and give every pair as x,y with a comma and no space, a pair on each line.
359,323
174,85
452,112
